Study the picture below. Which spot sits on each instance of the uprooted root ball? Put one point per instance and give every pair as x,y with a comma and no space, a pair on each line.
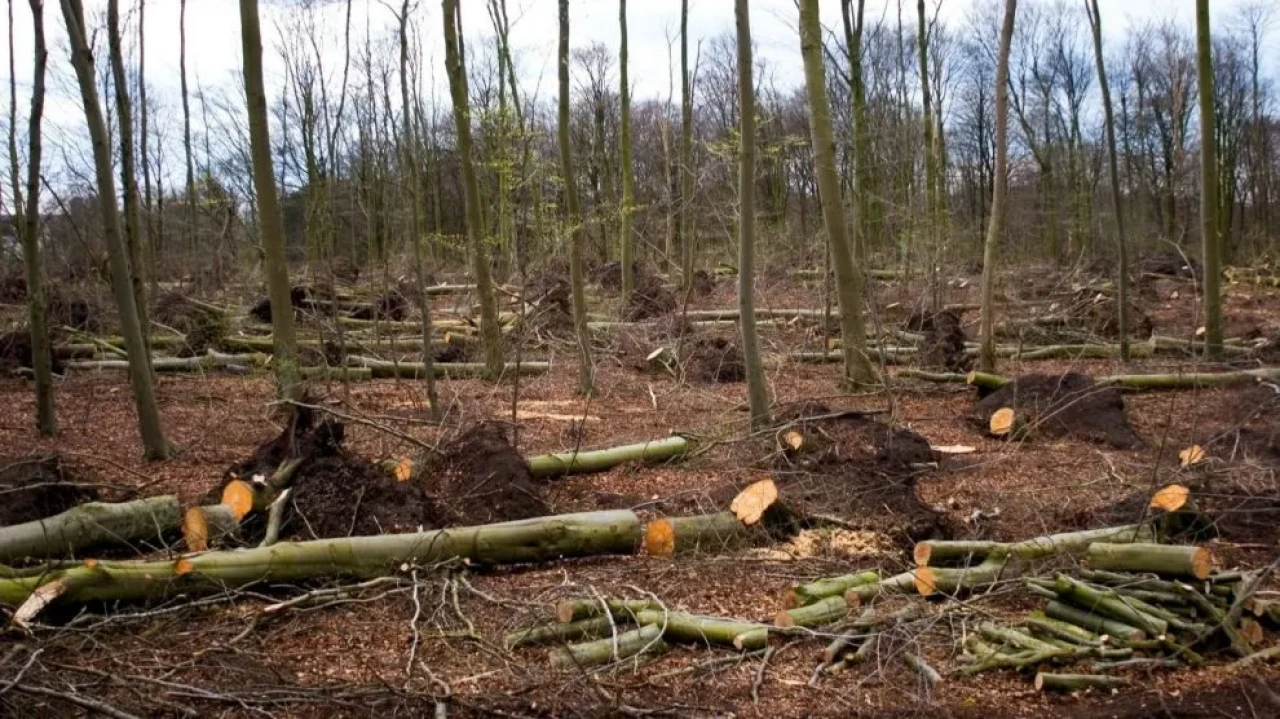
1060,405
480,478
36,487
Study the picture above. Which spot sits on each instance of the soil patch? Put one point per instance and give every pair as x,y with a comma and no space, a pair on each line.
36,487
713,360
551,306
392,306
609,275
16,351
648,300
344,495
1169,264
203,327
944,340
480,478
299,298
1061,405
703,284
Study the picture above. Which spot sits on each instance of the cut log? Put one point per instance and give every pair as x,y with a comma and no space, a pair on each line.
244,497
1165,559
569,610
984,380
896,584
1003,422
712,533
645,640
209,526
520,542
933,551
1067,631
1191,455
1075,682
751,503
805,594
599,460
1109,603
442,370
931,580
678,626
1094,622
1170,498
662,361
560,633
91,524
823,611
752,640
337,374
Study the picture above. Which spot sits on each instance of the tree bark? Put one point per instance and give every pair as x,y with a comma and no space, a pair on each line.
1075,682
1000,191
757,393
814,591
1209,227
645,640
1164,559
443,370
584,462
27,220
285,357
628,172
573,212
683,627
90,525
687,223
710,533
153,441
521,542
476,236
849,277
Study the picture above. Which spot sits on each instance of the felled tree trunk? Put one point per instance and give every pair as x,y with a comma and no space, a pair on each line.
934,551
1165,559
645,640
457,370
669,536
531,540
91,524
693,628
599,460
204,527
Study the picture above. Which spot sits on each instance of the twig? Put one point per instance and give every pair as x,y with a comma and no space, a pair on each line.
755,685
413,626
21,672
77,699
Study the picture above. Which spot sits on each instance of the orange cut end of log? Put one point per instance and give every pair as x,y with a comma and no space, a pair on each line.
794,440
1201,563
969,378
660,538
564,612
403,470
1170,498
91,564
1252,631
1039,681
183,566
1191,455
1002,422
926,583
751,503
783,619
921,553
195,529
238,495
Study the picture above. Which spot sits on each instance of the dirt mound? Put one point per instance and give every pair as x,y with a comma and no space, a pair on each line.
480,478
713,359
1099,315
203,327
302,437
343,495
944,340
13,289
609,275
551,306
456,352
1061,405
392,305
67,309
1169,264
299,298
859,470
703,284
36,487
648,300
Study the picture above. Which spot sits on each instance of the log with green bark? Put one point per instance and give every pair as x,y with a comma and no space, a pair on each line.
1109,603
442,370
645,640
1188,380
933,551
679,626
1165,559
209,526
90,525
933,580
336,374
599,460
1041,622
818,589
888,355
520,542
710,533
896,584
570,610
922,667
1075,682
1093,621
823,611
589,628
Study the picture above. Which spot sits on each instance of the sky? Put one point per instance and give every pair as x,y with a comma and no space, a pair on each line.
213,42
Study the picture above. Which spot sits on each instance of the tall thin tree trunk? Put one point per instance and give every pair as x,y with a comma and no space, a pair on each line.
687,230
457,69
1122,242
1209,226
153,441
149,225
757,393
186,124
413,191
628,172
865,203
573,211
27,220
849,276
999,193
271,222
128,177
931,217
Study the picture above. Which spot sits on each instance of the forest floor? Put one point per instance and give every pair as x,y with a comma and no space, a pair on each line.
398,650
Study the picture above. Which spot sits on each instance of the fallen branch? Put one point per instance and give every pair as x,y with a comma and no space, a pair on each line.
91,524
562,463
645,640
1075,682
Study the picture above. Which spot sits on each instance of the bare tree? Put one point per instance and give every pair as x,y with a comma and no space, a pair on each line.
128,178
573,212
153,441
757,393
999,195
1209,227
628,172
